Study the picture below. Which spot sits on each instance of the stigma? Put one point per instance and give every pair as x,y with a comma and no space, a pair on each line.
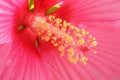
68,39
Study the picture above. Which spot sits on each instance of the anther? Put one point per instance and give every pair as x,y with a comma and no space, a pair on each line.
31,5
54,8
21,27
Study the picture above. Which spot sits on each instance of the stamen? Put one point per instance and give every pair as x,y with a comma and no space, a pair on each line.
31,5
54,8
84,59
67,38
21,27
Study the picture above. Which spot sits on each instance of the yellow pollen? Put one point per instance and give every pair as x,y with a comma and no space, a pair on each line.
70,58
70,51
65,24
47,38
94,43
61,49
58,22
83,32
75,59
63,29
81,41
78,35
67,38
84,60
55,44
51,18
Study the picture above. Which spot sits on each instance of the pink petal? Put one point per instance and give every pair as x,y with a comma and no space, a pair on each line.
17,62
21,63
91,13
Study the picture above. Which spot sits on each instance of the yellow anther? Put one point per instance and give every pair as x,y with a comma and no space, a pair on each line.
21,27
84,60
31,5
75,59
65,24
70,51
68,24
58,19
49,33
76,29
46,38
68,39
70,58
55,44
58,22
50,18
72,27
94,43
55,31
81,41
63,29
83,32
54,8
47,26
91,37
54,38
61,48
78,35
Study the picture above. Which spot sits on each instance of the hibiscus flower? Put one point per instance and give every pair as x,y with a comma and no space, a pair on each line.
59,40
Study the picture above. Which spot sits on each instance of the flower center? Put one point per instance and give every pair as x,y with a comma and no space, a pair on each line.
71,41
67,38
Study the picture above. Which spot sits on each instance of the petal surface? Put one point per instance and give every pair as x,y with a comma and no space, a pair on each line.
22,62
100,13
17,62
